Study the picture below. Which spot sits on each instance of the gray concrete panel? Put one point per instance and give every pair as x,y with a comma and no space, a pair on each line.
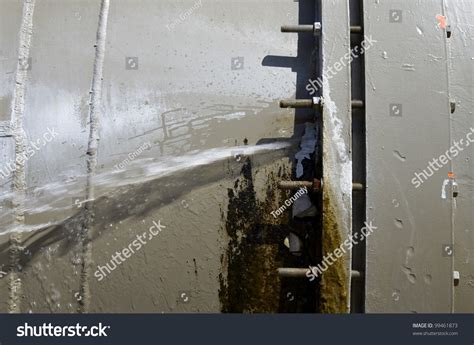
199,90
408,124
461,75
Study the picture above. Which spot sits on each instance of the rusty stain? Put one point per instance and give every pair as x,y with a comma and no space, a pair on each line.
256,250
334,283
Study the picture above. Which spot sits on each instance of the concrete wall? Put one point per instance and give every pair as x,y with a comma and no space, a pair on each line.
184,91
185,78
424,227
461,92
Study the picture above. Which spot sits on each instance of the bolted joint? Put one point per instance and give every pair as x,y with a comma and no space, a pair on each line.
294,272
456,278
315,28
313,186
306,28
315,102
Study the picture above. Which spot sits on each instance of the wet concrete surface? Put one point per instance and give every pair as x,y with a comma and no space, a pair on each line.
187,92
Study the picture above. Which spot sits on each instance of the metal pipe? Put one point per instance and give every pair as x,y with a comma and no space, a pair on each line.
356,103
293,272
314,186
356,29
294,185
313,103
313,28
289,272
297,103
297,28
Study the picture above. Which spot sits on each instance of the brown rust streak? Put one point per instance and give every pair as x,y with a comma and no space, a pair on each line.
334,283
252,284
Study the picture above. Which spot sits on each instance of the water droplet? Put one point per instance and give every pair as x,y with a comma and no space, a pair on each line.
412,278
396,295
428,278
408,67
398,155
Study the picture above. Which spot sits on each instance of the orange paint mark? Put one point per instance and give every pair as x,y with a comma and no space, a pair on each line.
441,21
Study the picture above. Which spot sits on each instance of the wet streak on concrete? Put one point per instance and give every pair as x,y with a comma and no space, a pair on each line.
96,95
252,284
19,137
334,281
337,157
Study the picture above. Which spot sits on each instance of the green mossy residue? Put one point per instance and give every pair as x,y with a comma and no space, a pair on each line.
334,284
252,284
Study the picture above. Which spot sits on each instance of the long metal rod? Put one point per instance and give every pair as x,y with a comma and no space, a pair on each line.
297,103
314,103
313,28
315,186
298,28
294,185
294,272
356,103
356,29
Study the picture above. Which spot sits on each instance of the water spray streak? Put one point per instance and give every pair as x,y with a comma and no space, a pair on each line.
54,200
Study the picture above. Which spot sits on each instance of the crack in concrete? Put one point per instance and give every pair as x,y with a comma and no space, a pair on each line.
20,139
94,115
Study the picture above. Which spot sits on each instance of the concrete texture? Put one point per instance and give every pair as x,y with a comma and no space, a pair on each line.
408,124
461,75
186,77
170,116
337,159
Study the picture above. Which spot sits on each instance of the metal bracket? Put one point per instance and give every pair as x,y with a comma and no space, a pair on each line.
456,277
455,189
